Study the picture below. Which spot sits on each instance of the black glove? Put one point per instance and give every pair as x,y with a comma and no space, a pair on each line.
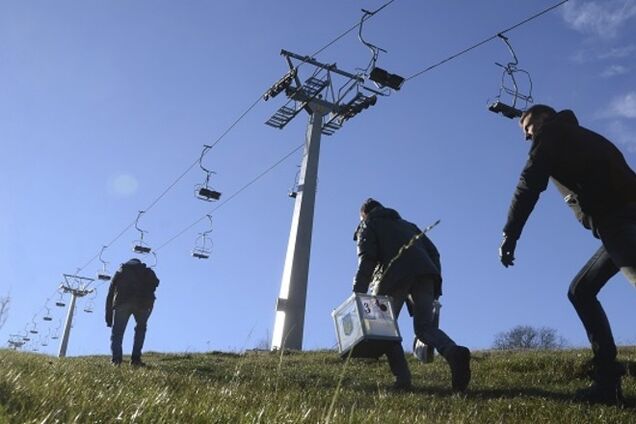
109,320
507,251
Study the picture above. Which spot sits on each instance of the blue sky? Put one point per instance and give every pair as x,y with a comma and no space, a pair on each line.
104,104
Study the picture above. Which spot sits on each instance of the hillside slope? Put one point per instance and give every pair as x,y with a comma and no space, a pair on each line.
507,387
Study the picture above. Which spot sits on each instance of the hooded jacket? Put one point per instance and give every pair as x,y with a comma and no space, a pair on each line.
589,171
133,283
380,237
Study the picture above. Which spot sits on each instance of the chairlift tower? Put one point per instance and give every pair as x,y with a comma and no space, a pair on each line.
77,286
327,110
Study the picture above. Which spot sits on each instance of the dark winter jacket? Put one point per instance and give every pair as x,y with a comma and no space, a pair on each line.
134,283
589,171
379,238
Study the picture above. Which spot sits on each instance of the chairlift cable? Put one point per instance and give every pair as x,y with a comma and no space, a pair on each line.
220,138
217,141
179,178
371,14
474,46
239,191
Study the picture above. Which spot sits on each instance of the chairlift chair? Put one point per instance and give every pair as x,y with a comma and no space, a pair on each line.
88,309
47,316
138,245
203,243
56,334
103,275
200,254
518,99
204,191
60,302
381,77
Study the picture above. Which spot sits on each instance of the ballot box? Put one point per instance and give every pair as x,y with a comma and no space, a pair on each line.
366,324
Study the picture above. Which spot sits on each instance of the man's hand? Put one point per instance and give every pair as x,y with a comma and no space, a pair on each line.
109,320
507,251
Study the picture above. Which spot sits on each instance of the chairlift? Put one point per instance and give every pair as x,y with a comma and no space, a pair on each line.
381,77
34,328
138,245
103,275
60,302
47,316
56,335
205,191
293,192
90,307
519,100
203,243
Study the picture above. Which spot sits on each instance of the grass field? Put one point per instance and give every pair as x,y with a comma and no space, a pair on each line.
309,387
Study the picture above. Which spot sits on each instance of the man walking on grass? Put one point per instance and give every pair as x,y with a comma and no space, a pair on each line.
131,292
412,276
599,186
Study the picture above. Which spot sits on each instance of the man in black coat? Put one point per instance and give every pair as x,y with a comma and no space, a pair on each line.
599,186
131,292
411,272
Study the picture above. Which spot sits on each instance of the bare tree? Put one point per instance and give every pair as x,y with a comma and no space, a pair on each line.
4,309
527,337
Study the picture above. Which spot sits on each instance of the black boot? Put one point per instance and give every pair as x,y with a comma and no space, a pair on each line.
459,361
606,387
606,394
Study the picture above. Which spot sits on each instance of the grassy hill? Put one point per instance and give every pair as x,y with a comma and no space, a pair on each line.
311,387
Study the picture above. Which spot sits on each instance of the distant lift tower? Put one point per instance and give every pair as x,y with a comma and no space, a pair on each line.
77,286
328,111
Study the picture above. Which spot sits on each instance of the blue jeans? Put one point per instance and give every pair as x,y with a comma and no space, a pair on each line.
419,293
618,252
121,316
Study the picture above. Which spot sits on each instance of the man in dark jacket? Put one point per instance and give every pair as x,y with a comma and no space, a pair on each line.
599,186
410,269
131,292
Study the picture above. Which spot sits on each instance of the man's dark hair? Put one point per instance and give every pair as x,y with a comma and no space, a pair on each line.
369,205
538,110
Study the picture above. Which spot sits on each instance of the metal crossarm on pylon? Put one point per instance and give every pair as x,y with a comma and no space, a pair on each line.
299,98
77,286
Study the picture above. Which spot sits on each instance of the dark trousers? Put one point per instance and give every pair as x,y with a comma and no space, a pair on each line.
419,293
618,252
121,316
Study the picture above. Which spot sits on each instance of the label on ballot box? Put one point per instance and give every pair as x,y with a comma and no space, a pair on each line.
365,325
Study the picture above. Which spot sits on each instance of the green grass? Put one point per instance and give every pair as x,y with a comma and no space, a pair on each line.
312,387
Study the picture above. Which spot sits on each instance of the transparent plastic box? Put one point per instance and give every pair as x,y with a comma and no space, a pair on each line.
366,324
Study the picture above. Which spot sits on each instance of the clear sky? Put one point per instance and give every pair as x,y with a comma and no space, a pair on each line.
104,104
